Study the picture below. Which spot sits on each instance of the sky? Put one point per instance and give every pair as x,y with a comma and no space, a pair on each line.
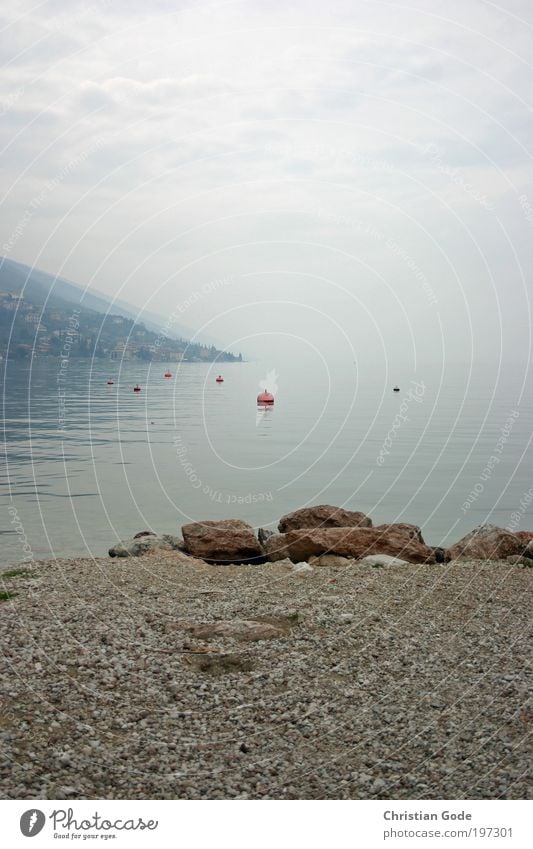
341,180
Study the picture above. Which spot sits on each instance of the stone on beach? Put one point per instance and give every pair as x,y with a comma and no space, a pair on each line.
528,550
487,542
382,560
146,544
222,541
519,560
323,516
411,531
355,543
302,568
331,561
263,535
275,548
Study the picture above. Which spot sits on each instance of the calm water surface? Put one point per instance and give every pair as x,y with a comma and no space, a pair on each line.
87,464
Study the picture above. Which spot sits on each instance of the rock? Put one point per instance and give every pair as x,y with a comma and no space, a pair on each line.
355,543
411,531
519,560
275,548
223,541
302,568
331,560
263,535
486,542
528,550
382,560
144,534
441,555
285,562
323,516
146,544
525,536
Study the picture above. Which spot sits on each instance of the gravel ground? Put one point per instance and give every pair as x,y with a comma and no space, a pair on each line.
401,682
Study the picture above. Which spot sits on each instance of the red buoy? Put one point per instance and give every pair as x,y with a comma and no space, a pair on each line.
265,399
220,379
110,382
168,374
136,388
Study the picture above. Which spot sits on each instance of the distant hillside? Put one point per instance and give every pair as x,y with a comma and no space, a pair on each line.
84,324
36,284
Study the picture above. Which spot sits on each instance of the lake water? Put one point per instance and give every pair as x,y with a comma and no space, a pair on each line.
88,463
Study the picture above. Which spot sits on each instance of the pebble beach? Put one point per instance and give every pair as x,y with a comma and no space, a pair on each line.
163,677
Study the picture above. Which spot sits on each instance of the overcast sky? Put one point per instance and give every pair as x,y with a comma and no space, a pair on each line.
353,176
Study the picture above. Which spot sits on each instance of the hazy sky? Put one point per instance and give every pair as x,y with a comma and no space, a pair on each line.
316,179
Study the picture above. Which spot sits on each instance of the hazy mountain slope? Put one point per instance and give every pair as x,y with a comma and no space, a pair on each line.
16,277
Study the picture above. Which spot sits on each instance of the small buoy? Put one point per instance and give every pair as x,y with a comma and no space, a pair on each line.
396,389
136,388
265,399
110,382
168,374
220,379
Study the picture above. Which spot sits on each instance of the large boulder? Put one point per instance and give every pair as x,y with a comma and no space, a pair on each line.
146,544
222,541
355,543
323,516
410,531
487,542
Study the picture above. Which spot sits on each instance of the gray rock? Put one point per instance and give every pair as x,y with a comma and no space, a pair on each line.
302,568
382,560
275,548
263,534
145,544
